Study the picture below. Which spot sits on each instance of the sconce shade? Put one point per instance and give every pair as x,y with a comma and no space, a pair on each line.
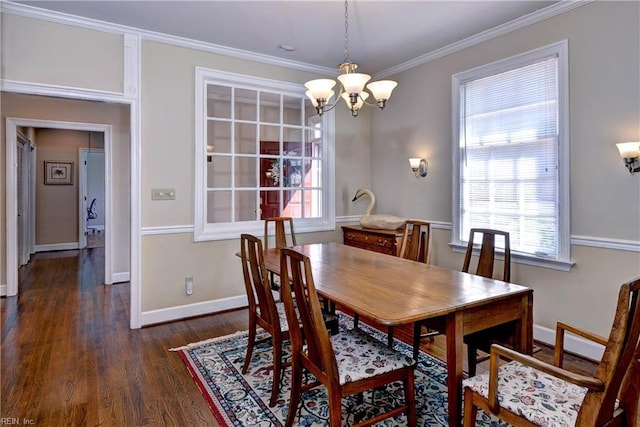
414,162
629,150
418,166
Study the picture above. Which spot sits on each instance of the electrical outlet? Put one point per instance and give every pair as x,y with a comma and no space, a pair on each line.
188,285
163,194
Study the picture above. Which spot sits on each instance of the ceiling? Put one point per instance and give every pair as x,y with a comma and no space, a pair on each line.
382,34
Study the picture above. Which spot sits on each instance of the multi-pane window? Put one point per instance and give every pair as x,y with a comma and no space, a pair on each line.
510,154
263,152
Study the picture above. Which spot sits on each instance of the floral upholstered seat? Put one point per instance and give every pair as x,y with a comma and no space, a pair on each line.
538,397
360,356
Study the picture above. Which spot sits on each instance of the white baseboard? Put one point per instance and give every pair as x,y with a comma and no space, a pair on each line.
191,310
121,277
57,247
572,343
3,290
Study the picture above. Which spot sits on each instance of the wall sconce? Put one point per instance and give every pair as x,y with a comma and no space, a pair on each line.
418,167
630,153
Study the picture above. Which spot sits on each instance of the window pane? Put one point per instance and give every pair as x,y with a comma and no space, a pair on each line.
302,203
245,172
218,136
246,101
219,172
245,138
269,107
246,207
292,110
508,158
292,142
269,204
219,101
218,206
269,133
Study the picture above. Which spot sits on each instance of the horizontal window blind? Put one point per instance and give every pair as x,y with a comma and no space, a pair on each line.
509,156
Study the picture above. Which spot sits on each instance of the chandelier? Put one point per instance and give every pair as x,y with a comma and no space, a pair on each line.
352,90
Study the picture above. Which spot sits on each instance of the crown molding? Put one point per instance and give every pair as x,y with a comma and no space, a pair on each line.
94,24
524,21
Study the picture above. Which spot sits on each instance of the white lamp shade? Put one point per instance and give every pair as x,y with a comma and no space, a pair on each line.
363,96
629,150
353,82
381,90
414,162
314,101
320,88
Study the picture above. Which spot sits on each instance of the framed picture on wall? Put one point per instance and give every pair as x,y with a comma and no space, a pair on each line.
58,173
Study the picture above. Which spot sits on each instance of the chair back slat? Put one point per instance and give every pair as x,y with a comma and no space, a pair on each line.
280,233
617,358
487,255
297,281
416,240
256,283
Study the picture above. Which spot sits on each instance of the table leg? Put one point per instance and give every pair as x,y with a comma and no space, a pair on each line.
455,352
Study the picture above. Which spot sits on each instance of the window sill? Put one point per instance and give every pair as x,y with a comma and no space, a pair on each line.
519,258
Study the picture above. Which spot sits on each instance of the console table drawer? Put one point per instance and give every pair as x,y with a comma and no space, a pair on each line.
384,241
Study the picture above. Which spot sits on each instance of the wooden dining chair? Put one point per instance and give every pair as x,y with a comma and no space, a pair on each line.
264,311
279,237
347,363
502,334
528,391
416,240
484,267
280,233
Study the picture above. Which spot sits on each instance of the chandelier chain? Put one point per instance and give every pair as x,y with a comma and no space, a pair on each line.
346,31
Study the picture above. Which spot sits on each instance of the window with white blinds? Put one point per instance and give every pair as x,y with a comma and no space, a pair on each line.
510,136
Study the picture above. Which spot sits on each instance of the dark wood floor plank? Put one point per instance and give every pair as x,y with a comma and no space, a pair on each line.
68,356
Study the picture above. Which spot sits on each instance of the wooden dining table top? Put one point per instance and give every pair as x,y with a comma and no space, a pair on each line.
391,290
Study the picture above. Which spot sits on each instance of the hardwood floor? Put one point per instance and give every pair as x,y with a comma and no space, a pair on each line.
69,358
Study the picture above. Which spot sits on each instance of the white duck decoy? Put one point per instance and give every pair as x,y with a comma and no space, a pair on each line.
382,222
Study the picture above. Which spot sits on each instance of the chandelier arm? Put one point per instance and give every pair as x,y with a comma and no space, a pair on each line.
328,107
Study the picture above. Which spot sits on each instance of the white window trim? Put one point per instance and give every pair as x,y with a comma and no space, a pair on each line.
561,49
204,231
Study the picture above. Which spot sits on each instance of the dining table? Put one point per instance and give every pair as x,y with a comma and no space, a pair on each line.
392,291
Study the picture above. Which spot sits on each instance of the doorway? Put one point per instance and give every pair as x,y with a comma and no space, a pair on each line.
12,126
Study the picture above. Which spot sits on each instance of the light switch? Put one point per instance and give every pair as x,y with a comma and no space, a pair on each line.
163,194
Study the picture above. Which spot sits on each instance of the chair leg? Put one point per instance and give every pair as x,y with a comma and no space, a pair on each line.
472,354
470,410
417,331
294,399
410,399
250,342
356,320
277,371
390,337
335,409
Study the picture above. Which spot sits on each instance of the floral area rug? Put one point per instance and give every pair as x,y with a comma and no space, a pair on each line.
243,400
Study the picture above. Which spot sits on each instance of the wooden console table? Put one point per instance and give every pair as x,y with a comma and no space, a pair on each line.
383,241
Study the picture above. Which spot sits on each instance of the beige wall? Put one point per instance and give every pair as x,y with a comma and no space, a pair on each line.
49,53
168,162
604,67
